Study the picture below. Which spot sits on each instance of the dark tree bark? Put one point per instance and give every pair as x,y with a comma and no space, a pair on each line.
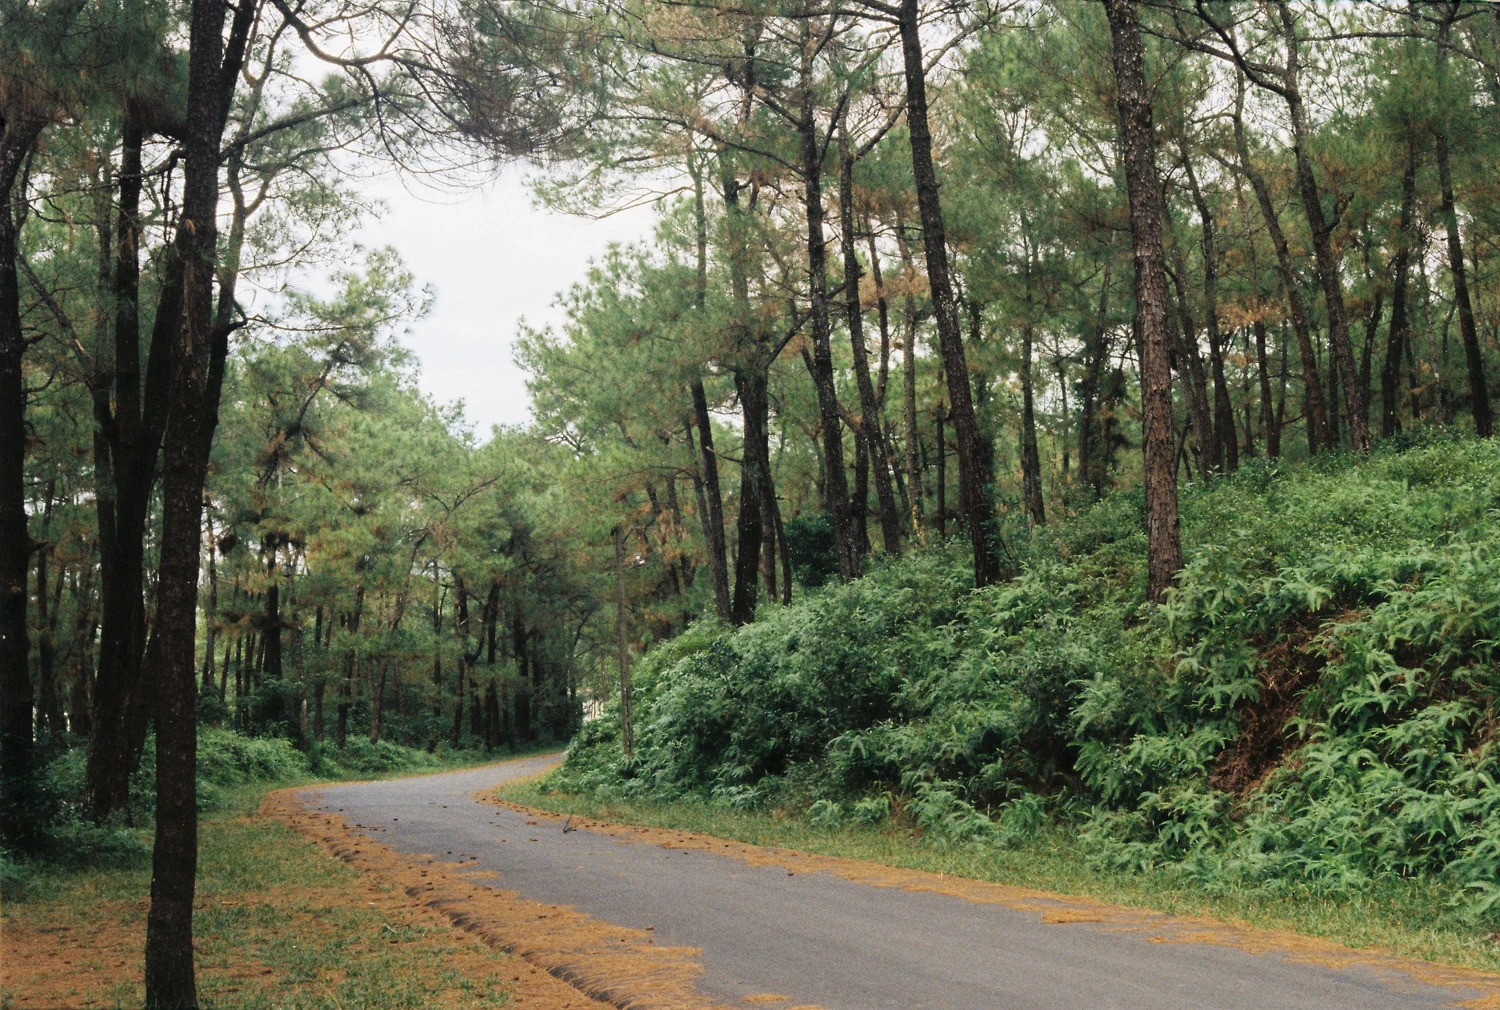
1163,546
17,137
627,729
1227,448
1367,352
211,615
1479,396
1091,450
754,406
197,377
938,417
713,520
49,717
126,446
1184,338
768,535
945,309
859,498
812,152
522,702
910,431
707,483
1268,419
1396,336
870,421
1322,238
1031,462
1317,411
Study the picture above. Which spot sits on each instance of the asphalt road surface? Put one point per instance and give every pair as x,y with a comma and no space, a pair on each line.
820,939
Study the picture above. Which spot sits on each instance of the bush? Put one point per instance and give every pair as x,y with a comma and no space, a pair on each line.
1313,708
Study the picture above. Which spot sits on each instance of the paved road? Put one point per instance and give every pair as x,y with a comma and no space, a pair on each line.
820,939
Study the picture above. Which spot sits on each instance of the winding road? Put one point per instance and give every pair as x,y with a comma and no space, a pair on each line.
774,936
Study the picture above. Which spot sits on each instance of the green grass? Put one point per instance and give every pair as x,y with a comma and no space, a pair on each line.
279,923
1405,918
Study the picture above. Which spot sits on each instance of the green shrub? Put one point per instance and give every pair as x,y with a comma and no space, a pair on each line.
1312,709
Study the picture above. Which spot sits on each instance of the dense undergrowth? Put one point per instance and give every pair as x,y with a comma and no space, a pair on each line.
63,839
1312,712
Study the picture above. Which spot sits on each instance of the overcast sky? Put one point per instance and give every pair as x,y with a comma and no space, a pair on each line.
491,258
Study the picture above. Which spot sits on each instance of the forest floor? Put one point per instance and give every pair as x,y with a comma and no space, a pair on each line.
291,915
1405,919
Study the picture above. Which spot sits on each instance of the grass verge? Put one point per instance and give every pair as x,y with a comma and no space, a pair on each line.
279,923
1402,918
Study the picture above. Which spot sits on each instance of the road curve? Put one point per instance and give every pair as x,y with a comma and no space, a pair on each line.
820,939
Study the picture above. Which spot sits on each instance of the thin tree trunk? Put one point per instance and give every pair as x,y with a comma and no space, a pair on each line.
1195,380
377,700
1163,546
1031,462
1322,239
211,617
909,394
1479,395
1333,398
1396,336
754,406
945,310
1317,413
627,729
1268,420
130,441
713,521
938,416
870,427
48,715
1228,444
822,354
1091,457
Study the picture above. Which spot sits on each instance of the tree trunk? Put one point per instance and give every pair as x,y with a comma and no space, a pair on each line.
1396,336
859,498
870,427
910,432
197,377
1322,239
818,322
211,616
754,406
16,142
1195,379
1031,462
127,444
1163,547
1268,421
1091,456
1228,449
48,714
1479,395
627,730
945,310
938,417
523,694
713,521
1317,412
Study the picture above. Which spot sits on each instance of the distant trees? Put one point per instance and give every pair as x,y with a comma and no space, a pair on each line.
938,191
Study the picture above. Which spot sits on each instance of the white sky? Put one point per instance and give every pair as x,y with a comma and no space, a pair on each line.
492,258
